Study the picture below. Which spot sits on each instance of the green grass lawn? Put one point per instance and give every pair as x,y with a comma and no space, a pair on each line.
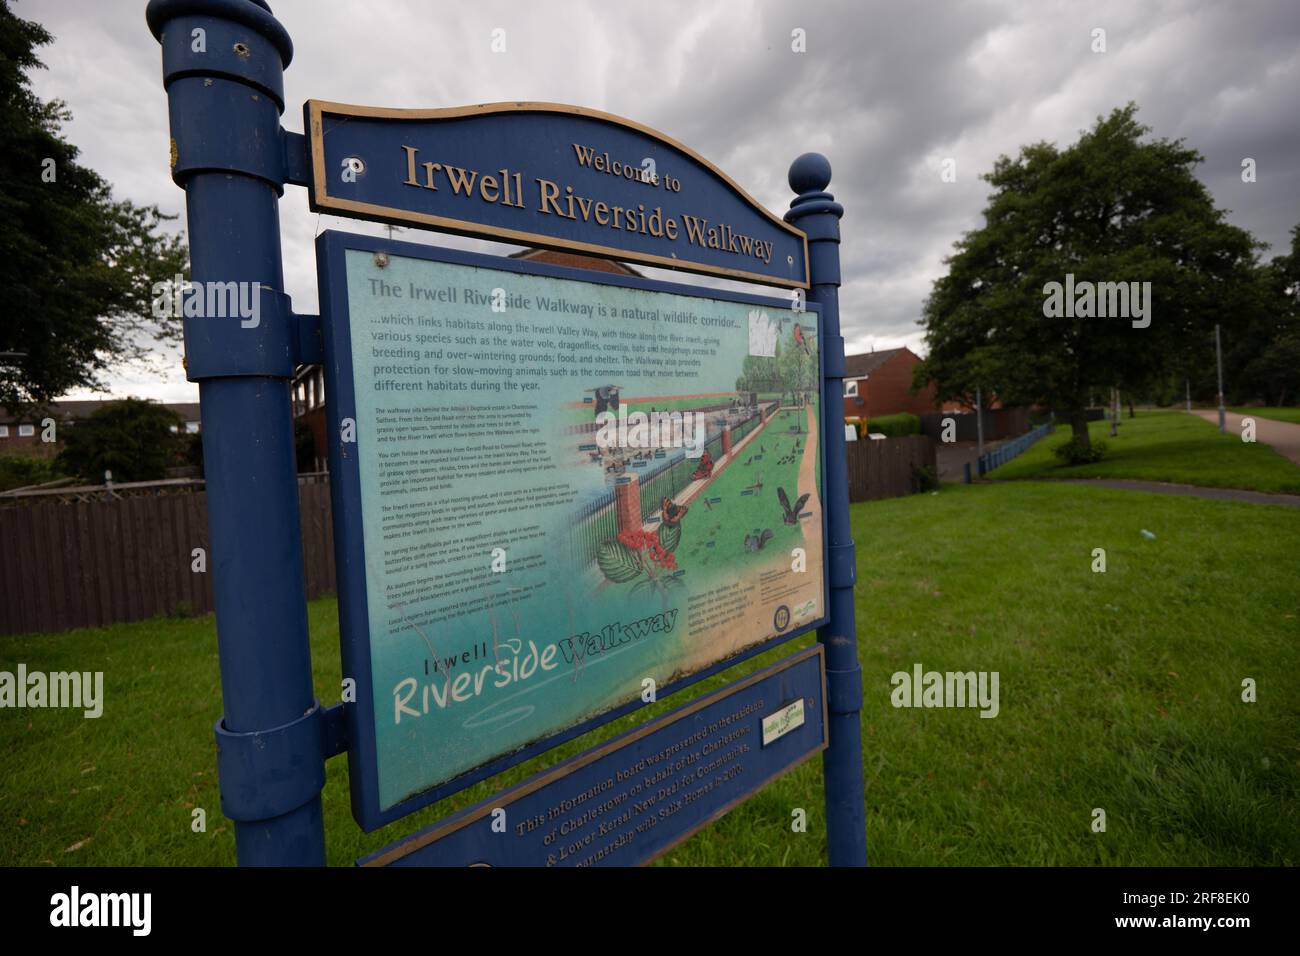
1291,415
1164,446
1118,690
713,538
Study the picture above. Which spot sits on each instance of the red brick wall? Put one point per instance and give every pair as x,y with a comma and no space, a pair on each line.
888,391
30,446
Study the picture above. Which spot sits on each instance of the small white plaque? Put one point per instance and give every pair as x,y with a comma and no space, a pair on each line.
783,721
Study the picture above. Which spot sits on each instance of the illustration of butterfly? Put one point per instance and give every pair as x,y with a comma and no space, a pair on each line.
671,512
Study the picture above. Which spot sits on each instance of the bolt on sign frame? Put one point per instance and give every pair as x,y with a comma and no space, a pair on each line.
542,174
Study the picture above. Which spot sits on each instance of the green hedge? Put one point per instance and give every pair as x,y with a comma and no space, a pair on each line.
18,471
895,426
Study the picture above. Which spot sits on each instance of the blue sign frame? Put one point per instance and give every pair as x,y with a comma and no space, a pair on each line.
346,501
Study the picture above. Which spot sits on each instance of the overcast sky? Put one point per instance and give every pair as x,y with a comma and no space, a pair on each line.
886,90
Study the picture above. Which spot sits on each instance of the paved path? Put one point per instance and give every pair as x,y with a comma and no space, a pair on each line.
952,456
812,528
1282,437
1191,491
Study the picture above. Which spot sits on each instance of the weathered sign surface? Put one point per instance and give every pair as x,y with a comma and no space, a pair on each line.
558,493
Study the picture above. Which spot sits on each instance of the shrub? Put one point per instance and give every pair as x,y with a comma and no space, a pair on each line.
19,472
130,437
895,426
1072,453
924,478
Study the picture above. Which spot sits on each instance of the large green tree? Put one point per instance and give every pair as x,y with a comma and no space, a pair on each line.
1116,206
1262,360
78,267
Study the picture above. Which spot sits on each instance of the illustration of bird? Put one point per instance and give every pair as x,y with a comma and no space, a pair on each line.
791,515
749,459
671,512
606,398
800,340
756,541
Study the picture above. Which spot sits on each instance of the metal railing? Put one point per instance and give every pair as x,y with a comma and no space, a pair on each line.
61,491
1009,450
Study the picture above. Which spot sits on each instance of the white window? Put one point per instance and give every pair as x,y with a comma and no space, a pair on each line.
850,389
175,429
4,431
191,428
26,431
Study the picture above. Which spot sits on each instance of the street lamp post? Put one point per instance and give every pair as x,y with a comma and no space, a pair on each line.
1218,354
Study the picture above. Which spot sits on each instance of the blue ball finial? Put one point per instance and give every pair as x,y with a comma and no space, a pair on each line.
810,173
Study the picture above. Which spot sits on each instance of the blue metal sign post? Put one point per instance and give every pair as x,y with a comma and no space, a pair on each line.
222,68
818,214
223,64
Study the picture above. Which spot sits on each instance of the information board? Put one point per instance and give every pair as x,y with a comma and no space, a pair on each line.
557,494
627,801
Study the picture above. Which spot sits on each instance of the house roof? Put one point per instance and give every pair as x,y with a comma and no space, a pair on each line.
575,260
857,366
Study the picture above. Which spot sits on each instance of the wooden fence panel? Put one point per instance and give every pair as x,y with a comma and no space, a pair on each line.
887,468
100,562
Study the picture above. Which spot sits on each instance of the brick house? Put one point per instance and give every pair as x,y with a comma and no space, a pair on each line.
879,383
20,435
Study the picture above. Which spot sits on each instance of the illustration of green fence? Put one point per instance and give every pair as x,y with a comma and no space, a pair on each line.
668,481
594,525
744,428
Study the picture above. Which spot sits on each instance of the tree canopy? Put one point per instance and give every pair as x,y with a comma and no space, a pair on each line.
132,438
1262,360
1114,207
79,267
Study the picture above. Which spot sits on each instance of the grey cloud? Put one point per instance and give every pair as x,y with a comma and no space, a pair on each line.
886,90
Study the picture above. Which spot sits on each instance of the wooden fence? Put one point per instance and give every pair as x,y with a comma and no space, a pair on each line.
99,562
94,561
888,467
